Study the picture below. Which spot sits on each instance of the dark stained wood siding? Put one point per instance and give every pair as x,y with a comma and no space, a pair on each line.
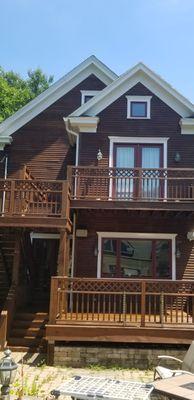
42,143
122,221
164,122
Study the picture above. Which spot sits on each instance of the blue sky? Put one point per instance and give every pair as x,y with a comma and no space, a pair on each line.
56,35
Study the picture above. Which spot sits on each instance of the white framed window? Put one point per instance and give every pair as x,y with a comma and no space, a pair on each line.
86,95
138,107
136,255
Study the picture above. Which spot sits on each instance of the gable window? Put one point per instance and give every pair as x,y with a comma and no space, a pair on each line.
87,95
138,107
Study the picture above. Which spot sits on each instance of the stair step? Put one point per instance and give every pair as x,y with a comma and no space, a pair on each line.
27,349
27,341
37,316
29,332
20,324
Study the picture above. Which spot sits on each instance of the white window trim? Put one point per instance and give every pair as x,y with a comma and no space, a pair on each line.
137,140
85,93
143,99
39,235
135,235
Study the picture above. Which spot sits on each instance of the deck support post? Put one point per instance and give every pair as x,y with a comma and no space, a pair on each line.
143,297
50,352
63,257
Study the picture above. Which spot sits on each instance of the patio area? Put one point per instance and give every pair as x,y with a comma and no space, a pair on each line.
39,379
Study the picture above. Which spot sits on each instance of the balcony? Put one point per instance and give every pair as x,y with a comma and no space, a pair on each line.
31,202
121,310
162,188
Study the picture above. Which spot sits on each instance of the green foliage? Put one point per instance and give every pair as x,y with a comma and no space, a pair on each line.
15,92
38,82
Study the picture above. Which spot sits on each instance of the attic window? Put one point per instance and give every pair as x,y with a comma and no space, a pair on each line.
138,107
87,95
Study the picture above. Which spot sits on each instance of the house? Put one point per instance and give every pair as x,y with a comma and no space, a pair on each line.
97,212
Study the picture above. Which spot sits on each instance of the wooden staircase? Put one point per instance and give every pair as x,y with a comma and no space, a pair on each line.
28,326
28,331
7,245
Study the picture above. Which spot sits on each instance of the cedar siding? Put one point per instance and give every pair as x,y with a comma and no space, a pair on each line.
164,122
43,144
123,221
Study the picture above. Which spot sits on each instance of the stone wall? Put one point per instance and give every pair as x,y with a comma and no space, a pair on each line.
125,357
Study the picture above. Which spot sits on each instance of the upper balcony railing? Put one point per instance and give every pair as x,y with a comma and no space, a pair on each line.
34,198
132,184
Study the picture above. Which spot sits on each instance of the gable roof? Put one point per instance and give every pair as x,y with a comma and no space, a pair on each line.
90,66
139,73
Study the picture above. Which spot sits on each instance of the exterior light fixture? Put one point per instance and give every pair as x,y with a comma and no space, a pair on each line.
8,369
190,235
177,157
99,155
178,253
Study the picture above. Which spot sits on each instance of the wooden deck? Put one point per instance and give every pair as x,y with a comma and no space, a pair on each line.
121,310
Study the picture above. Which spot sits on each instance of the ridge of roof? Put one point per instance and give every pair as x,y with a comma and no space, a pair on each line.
91,107
90,65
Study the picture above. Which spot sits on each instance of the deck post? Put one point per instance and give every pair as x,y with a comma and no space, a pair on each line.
192,309
53,308
12,198
63,257
162,308
143,296
50,352
64,200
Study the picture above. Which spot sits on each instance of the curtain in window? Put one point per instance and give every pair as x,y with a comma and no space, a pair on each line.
124,159
150,159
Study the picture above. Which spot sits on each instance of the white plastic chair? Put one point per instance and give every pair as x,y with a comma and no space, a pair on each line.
186,365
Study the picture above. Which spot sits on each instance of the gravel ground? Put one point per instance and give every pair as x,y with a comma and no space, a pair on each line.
39,379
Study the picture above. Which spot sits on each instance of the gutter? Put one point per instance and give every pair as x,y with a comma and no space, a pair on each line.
76,135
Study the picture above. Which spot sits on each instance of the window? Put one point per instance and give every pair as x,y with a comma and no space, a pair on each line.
136,258
87,95
138,107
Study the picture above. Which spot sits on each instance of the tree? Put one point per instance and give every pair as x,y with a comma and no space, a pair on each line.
38,81
15,92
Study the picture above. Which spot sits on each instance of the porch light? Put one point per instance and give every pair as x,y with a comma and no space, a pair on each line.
99,155
178,253
8,369
177,157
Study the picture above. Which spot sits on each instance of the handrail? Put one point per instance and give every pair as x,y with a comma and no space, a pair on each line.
92,167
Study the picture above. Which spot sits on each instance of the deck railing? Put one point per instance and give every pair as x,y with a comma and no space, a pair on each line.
121,302
132,184
21,197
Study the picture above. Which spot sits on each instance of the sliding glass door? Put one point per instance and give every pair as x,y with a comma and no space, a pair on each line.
137,171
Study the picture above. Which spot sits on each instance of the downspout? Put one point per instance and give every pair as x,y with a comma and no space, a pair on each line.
71,132
76,135
73,246
5,177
